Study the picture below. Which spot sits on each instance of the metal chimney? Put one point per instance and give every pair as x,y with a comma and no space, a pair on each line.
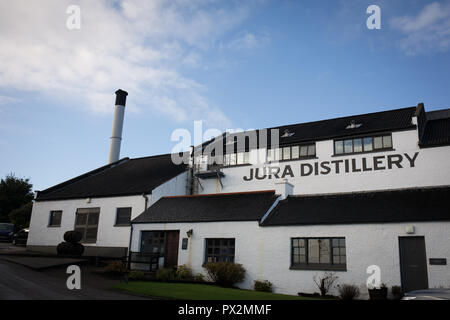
116,136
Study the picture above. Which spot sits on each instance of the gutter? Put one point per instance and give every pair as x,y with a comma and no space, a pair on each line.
277,200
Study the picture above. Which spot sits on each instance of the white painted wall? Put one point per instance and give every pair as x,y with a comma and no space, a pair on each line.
265,251
431,169
108,235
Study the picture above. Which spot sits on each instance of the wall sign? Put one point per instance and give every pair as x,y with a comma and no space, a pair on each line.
438,261
383,162
184,244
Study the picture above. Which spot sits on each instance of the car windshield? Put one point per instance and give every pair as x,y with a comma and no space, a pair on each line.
6,227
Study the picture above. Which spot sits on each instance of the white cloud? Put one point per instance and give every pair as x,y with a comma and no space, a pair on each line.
428,31
137,45
248,40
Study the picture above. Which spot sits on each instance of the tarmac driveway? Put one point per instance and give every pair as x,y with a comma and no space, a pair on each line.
21,283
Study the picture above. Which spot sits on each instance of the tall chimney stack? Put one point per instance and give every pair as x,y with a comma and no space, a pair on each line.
116,136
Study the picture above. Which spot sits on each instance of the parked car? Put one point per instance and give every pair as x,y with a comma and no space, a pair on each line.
20,237
428,294
6,232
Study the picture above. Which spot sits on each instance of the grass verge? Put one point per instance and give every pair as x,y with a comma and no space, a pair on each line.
188,291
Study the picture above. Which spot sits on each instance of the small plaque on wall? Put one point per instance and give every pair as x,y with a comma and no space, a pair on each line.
184,244
438,261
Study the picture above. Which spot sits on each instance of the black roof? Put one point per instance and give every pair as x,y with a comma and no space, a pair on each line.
124,177
246,206
436,133
391,120
414,205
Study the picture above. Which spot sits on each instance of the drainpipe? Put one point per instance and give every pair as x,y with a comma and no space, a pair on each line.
144,195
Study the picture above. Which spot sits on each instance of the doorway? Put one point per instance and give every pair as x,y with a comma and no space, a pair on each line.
162,246
413,263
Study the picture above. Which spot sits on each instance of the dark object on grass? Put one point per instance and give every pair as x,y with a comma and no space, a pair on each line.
73,236
71,247
378,293
397,292
348,292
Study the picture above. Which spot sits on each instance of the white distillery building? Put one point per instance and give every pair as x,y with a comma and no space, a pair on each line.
336,195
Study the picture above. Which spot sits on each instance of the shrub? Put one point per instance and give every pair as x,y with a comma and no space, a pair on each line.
136,275
115,268
199,277
165,274
325,282
184,273
225,273
263,285
348,291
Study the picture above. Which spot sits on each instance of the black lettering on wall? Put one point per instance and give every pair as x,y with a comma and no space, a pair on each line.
377,162
250,177
394,159
287,171
302,169
412,160
325,167
337,164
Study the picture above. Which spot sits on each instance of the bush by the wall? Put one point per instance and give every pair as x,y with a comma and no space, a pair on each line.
348,291
199,277
136,275
225,274
263,285
184,273
115,268
165,274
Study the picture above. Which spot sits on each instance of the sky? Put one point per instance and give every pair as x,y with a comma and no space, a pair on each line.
232,64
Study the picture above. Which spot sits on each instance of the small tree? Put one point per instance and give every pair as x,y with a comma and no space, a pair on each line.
14,193
325,282
21,216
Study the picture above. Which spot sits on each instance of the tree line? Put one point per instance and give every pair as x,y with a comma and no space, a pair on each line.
16,197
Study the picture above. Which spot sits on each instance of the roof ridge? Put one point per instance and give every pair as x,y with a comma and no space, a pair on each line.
219,194
155,156
367,191
343,117
83,176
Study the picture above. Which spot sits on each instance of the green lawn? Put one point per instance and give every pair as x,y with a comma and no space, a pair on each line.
190,291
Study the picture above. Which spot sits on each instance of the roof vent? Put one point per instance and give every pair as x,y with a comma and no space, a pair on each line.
353,125
287,134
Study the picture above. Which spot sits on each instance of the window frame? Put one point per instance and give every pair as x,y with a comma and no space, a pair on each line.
50,219
220,249
318,266
308,146
123,224
86,226
363,137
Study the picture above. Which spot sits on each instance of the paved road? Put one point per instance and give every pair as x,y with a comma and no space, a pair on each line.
18,282
6,246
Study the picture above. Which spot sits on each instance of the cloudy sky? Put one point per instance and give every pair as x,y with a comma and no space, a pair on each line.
232,64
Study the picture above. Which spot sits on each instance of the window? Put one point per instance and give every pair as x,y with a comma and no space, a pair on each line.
219,250
232,159
55,218
123,216
364,144
87,223
318,253
291,153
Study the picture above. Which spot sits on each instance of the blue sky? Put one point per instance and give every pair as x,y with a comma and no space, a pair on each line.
233,64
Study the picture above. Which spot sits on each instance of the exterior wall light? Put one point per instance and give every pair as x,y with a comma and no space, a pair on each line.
189,233
410,230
